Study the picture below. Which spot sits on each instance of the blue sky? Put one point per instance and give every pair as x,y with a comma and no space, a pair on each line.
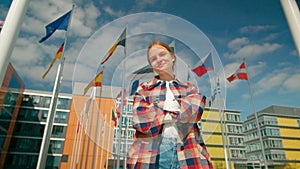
255,30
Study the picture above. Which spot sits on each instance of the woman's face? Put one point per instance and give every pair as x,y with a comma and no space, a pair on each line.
161,59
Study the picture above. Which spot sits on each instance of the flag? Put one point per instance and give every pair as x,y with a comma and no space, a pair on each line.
121,41
61,23
88,103
114,117
204,65
57,56
216,91
134,86
240,73
96,82
142,73
172,46
118,110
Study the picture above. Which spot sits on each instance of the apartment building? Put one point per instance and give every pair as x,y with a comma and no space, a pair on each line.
280,132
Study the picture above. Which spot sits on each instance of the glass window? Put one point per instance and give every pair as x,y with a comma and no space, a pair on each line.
61,116
63,103
58,131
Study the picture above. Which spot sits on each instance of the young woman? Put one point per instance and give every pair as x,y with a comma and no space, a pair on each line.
165,115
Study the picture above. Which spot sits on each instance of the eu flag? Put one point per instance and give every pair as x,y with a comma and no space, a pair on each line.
61,23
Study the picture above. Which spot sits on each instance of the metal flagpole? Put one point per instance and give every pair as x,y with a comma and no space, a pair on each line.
78,148
291,11
90,128
85,135
96,131
41,164
75,141
222,123
10,32
108,146
103,134
121,111
257,123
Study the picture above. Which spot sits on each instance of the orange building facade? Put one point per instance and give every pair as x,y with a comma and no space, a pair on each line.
89,134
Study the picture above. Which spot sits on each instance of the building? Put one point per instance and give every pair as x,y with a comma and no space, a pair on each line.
90,134
23,118
280,127
29,128
222,133
11,94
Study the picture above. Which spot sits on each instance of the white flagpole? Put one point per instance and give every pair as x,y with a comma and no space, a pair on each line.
103,134
84,135
90,128
108,146
41,164
291,11
257,123
97,132
10,32
78,148
221,112
75,140
121,111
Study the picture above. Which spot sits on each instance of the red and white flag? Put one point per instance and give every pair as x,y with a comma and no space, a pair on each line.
240,73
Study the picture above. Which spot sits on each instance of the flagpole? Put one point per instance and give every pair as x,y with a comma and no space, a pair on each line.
10,32
108,146
257,123
83,146
99,134
121,111
90,128
103,134
75,141
41,164
96,132
221,113
291,11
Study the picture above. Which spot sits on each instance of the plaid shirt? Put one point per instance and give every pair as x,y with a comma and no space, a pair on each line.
148,120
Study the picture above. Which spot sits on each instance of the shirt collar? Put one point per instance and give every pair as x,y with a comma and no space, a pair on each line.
156,82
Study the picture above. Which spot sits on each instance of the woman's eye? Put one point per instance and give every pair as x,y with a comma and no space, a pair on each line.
162,53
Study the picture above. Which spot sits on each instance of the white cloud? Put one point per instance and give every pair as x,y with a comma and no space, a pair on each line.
270,82
292,83
255,29
254,50
112,12
238,43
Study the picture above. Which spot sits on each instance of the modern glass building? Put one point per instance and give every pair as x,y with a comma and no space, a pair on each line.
29,129
11,93
280,130
23,116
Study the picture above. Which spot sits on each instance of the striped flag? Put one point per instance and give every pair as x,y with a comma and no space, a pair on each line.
114,117
57,56
61,23
96,82
121,41
240,73
204,65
